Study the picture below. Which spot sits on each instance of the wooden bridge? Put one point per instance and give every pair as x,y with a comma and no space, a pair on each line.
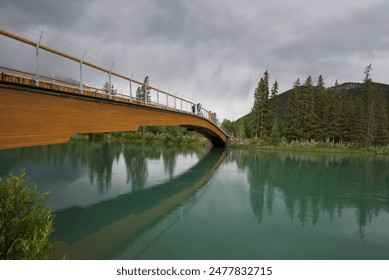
41,110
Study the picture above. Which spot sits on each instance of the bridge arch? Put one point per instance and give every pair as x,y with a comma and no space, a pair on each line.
33,117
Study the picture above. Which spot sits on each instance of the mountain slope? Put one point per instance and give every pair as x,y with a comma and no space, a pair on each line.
354,89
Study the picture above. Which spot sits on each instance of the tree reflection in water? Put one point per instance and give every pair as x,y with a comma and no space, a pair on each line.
314,185
99,158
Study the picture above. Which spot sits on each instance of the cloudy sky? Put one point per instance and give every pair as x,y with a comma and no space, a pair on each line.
215,51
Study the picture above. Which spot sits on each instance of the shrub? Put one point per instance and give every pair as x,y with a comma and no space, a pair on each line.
26,221
168,139
148,137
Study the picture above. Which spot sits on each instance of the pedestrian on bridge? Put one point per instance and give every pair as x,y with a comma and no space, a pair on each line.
199,108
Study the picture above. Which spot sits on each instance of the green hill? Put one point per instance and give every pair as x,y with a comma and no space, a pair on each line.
354,89
340,117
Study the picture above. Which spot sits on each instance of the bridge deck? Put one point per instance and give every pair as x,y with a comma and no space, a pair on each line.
52,113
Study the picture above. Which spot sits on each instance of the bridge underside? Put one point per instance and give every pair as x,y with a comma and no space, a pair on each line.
35,117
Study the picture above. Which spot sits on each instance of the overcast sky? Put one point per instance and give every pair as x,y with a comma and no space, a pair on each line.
215,51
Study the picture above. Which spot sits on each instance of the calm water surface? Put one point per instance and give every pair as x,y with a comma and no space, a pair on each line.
127,201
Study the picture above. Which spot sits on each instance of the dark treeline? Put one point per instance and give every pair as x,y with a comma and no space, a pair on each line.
350,114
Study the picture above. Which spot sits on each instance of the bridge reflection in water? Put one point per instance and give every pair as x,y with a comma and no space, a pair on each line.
100,231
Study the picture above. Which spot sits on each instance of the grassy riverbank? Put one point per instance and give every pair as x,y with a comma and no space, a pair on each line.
312,146
147,138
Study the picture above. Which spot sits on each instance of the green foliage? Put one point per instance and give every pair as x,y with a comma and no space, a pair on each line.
96,136
159,135
320,99
106,88
308,117
382,133
352,114
275,135
26,221
143,91
148,137
293,114
230,126
260,110
332,117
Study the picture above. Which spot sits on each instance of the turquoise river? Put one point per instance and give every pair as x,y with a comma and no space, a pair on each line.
134,201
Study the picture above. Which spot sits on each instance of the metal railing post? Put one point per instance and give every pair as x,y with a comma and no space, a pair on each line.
131,86
158,94
37,77
146,84
110,82
81,87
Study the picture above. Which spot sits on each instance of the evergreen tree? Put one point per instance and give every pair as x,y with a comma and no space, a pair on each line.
265,123
260,116
275,134
138,94
346,116
369,95
358,126
143,91
293,122
255,111
333,115
320,105
274,104
381,116
106,88
308,118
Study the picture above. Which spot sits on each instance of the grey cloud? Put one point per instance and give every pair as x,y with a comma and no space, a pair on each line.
331,46
64,14
216,51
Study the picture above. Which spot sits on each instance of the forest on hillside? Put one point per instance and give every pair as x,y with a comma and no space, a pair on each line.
353,114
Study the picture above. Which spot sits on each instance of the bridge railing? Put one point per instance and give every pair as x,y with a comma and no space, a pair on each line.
79,76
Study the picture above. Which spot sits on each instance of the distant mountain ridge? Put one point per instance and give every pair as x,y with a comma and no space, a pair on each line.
354,89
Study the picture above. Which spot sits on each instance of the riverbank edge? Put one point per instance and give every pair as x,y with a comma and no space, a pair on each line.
164,140
335,150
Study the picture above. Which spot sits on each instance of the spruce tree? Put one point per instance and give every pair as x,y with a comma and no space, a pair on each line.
106,88
369,96
333,115
346,116
260,111
266,122
274,103
358,124
381,116
256,110
308,118
293,129
138,94
145,89
275,134
273,108
320,104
